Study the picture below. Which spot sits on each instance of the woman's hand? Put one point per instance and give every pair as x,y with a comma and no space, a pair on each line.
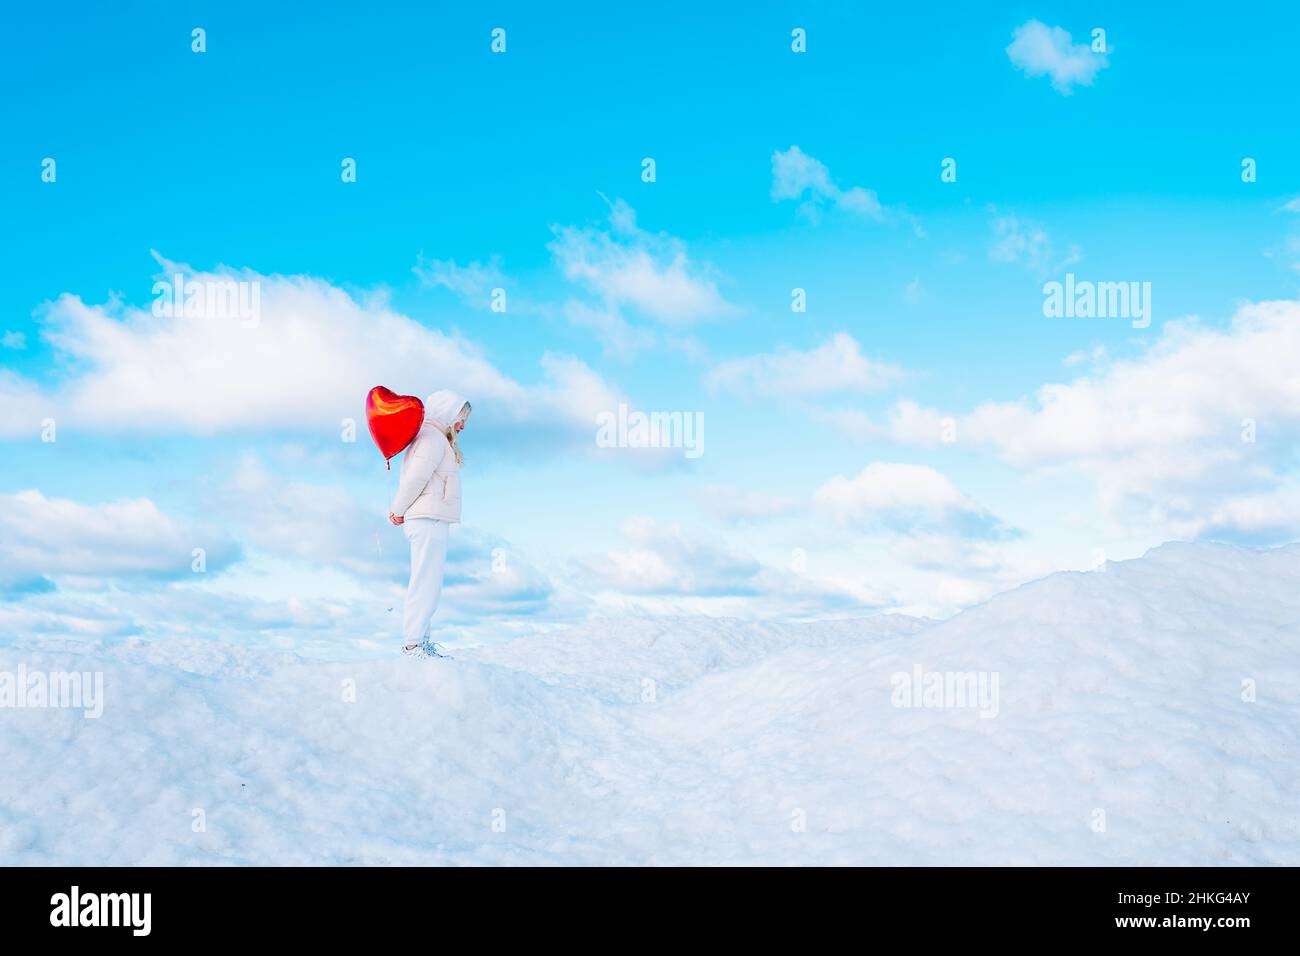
394,519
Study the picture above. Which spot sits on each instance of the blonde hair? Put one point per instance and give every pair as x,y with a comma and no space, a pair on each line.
451,440
462,415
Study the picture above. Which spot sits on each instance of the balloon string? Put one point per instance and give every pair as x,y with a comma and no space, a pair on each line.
389,463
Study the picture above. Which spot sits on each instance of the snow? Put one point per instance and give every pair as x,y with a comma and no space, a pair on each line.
689,740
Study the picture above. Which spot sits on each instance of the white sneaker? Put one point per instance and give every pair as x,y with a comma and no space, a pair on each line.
427,650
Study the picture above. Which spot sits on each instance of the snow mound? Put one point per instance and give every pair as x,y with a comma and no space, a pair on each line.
614,658
1144,714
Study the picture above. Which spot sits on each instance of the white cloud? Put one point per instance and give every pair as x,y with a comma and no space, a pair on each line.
669,569
307,624
13,340
804,179
307,521
304,367
906,422
906,498
1089,356
473,282
302,562
921,425
619,273
1263,517
735,505
1024,242
920,521
1042,50
1163,435
837,365
665,559
60,538
914,292
851,423
628,267
795,173
617,335
53,613
487,578
1291,206
950,555
324,525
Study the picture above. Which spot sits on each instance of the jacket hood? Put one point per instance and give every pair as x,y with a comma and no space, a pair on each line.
443,408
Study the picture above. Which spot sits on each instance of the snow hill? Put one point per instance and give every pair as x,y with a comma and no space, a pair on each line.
1125,732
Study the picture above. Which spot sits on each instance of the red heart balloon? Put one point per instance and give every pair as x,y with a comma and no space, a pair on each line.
394,419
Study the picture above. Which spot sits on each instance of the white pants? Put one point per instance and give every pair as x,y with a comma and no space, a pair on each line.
428,537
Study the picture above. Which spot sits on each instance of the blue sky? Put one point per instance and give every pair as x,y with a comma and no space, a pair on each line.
522,170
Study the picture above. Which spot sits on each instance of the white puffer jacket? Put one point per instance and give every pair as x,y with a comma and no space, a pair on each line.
429,486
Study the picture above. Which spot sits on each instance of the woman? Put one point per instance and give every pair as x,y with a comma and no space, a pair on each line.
427,501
